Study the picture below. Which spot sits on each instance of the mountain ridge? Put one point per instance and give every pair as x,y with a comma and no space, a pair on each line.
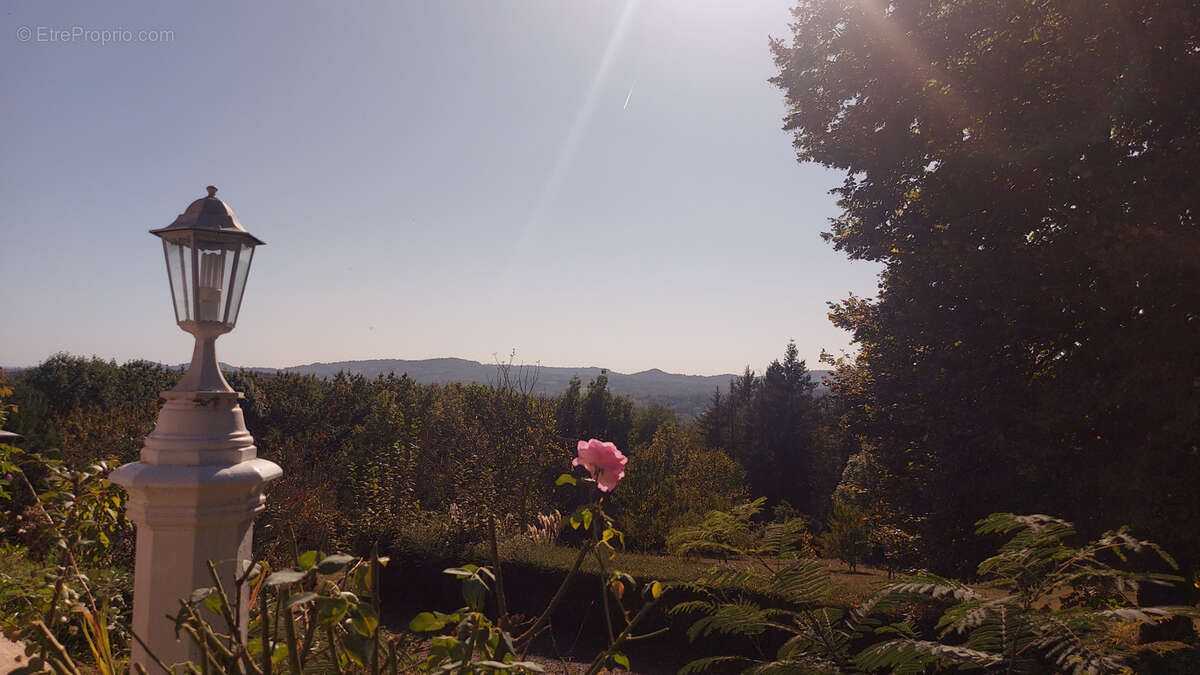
688,395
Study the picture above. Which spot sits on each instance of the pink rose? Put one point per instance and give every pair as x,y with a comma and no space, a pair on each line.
603,460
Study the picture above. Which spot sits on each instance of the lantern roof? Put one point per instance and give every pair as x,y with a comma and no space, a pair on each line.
208,214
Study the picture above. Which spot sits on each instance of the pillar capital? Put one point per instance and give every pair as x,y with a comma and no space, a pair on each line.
164,495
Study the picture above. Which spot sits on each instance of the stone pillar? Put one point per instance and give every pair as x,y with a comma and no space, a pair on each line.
193,497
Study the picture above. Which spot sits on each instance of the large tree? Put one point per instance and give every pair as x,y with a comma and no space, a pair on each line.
768,424
1026,172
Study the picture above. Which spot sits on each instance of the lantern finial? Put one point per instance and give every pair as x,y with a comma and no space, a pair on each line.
212,190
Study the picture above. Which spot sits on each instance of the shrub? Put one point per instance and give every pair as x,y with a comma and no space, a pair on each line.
848,536
673,481
1021,628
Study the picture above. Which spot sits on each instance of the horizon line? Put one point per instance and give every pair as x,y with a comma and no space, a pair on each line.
434,358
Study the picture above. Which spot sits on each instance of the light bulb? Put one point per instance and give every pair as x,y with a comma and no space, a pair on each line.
212,275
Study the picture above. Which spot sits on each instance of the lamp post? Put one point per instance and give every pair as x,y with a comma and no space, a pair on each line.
199,484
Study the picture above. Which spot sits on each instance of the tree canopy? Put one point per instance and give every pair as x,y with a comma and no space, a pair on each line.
1026,173
769,424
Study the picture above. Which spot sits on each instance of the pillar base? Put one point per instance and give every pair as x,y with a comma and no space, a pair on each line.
193,497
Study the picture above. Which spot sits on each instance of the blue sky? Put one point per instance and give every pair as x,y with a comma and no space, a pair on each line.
598,183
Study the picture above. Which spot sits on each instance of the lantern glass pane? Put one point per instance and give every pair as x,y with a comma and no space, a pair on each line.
189,279
239,281
211,260
180,282
227,281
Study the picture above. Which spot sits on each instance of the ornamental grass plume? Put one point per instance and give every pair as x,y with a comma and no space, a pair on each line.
603,461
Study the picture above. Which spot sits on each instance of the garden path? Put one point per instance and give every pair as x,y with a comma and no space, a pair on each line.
12,655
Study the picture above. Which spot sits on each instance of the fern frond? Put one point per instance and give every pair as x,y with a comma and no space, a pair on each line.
1151,615
905,629
917,655
1073,656
746,511
704,546
804,582
795,646
931,585
718,532
971,615
802,654
702,665
690,606
824,633
736,618
1120,541
1062,641
785,615
779,539
797,666
1035,550
1003,523
724,577
1004,629
860,617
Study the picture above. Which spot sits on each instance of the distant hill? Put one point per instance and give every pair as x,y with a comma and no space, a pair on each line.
686,394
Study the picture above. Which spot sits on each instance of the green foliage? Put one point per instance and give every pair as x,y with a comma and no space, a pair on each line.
6,408
416,467
769,425
353,448
860,483
80,410
75,510
640,565
321,613
848,535
71,383
648,420
814,636
898,549
31,592
602,415
781,567
733,532
1032,197
1037,561
475,643
671,481
1025,629
893,543
720,532
73,521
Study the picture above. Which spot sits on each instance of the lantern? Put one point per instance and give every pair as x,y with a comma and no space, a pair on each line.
208,255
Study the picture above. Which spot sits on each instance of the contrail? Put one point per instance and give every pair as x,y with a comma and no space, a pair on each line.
628,97
566,152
